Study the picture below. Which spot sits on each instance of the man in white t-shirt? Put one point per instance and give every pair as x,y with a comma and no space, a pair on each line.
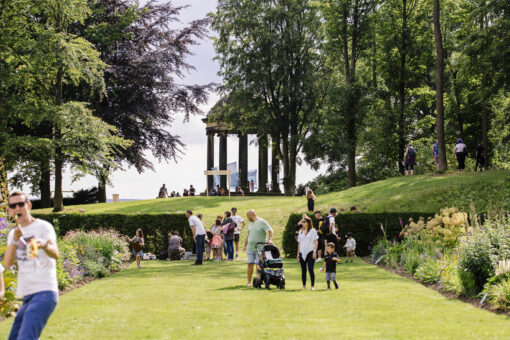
239,222
33,245
198,235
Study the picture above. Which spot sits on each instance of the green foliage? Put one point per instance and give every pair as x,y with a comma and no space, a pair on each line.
95,269
499,293
429,271
366,228
155,228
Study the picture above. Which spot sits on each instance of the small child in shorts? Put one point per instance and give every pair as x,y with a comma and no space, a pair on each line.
350,247
330,261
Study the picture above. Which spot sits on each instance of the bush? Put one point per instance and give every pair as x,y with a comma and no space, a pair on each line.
429,271
155,226
69,268
498,293
95,269
380,250
365,227
395,256
450,274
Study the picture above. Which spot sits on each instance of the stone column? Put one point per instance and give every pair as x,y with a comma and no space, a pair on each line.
263,154
223,159
275,166
210,158
243,162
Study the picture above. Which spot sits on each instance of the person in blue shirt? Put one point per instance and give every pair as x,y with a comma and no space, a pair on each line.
435,153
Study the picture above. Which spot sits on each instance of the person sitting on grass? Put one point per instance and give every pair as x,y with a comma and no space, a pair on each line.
330,261
33,246
138,244
175,249
350,247
257,230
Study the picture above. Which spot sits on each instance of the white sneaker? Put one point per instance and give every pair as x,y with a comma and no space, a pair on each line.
318,260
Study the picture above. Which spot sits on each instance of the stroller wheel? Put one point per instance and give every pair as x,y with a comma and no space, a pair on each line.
267,284
282,284
255,283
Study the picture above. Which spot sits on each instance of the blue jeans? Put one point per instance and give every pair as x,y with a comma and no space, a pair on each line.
200,248
230,249
33,315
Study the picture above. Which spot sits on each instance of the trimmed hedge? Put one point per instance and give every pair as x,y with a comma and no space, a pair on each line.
365,227
155,227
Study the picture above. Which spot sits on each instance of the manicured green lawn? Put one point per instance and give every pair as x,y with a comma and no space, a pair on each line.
169,300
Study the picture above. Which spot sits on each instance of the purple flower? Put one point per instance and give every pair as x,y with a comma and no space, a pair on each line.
401,222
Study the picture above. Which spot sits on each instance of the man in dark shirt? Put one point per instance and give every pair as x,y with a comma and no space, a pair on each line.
480,157
330,261
321,242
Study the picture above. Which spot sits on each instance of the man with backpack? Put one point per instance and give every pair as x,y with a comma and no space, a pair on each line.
410,159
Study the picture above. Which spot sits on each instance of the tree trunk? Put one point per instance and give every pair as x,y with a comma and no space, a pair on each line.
485,124
58,199
402,88
286,165
101,194
439,87
275,165
44,183
4,184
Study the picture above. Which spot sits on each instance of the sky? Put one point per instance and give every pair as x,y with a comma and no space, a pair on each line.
189,169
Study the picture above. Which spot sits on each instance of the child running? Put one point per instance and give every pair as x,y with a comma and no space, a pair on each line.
330,261
350,247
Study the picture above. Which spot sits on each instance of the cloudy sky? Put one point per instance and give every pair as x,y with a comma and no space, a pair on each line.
190,168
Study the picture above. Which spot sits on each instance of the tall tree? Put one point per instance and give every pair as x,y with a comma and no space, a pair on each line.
270,49
439,87
146,57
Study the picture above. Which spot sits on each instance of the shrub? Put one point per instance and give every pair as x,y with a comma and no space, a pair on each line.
69,268
443,229
450,274
155,226
380,249
499,295
480,253
366,228
411,260
95,269
429,271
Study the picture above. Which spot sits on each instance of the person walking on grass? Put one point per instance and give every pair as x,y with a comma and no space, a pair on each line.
307,250
435,154
410,159
138,244
33,246
460,151
198,230
350,247
480,157
319,222
332,235
330,261
217,240
258,229
240,224
228,230
310,198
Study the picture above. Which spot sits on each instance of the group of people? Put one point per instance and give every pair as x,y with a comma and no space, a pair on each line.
163,192
318,240
460,152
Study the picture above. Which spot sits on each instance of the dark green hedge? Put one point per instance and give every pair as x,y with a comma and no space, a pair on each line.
365,227
155,227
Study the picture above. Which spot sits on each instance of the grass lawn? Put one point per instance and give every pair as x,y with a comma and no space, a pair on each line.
169,300
417,194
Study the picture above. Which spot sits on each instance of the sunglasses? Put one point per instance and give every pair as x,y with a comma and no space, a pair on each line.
14,205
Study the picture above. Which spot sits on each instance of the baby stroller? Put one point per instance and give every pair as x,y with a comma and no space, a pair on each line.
270,267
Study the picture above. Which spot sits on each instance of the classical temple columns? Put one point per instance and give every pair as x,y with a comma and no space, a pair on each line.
210,158
223,159
263,154
243,162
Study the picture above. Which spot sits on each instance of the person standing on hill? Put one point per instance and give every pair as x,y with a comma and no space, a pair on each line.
229,234
33,246
192,190
198,231
319,221
163,192
460,151
252,186
257,231
435,154
480,157
410,159
332,236
240,224
310,198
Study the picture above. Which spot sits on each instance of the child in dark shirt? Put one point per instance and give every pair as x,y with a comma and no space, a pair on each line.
330,261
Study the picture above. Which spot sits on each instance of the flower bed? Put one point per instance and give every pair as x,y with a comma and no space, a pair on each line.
82,255
459,254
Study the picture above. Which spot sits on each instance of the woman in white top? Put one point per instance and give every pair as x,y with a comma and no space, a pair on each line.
307,248
460,150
